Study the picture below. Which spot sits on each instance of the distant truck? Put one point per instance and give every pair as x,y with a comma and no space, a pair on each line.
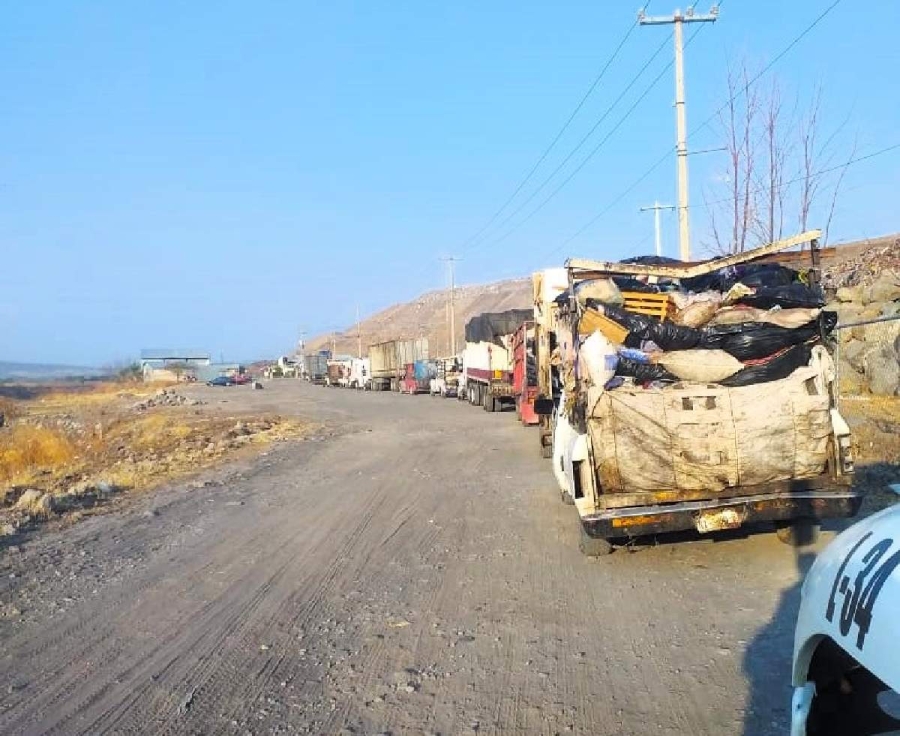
446,382
417,377
360,374
338,370
488,358
388,361
315,368
525,373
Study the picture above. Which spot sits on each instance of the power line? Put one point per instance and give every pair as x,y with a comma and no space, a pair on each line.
585,138
562,130
815,174
706,122
590,155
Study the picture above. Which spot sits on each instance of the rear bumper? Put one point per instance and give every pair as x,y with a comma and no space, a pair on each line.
735,512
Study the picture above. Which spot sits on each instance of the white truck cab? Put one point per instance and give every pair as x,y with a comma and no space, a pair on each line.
846,667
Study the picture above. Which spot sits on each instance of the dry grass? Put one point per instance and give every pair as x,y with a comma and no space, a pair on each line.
26,451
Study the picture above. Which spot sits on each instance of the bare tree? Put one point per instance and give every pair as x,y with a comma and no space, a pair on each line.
738,121
768,151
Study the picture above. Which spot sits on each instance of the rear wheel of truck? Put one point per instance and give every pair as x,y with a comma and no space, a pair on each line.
798,533
593,546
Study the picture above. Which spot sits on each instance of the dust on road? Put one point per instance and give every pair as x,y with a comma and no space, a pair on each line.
408,570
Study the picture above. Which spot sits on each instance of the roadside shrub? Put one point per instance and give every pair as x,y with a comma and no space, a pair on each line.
25,449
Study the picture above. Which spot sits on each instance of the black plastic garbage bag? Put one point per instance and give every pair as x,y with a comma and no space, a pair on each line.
754,340
773,368
641,327
643,372
629,283
754,275
787,297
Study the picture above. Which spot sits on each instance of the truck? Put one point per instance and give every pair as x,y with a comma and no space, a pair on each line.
488,358
338,371
525,373
417,377
315,368
360,374
547,286
446,382
388,361
647,454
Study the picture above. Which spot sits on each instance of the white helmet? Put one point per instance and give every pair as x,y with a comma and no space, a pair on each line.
847,642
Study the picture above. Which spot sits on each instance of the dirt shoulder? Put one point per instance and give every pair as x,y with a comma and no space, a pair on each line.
71,450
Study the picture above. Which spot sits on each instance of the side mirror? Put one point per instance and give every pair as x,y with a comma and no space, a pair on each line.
544,407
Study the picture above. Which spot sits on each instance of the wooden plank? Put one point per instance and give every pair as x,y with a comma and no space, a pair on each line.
592,269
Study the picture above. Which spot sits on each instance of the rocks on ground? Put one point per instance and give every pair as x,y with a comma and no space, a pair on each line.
166,397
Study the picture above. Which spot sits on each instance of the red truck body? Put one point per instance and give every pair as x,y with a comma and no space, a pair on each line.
524,381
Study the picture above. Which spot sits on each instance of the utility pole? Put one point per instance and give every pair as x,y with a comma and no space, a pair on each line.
358,335
450,260
656,207
679,19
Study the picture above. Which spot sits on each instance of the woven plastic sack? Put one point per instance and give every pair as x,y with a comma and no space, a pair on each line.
700,366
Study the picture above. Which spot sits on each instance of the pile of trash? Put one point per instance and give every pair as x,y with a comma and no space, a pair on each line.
738,326
165,397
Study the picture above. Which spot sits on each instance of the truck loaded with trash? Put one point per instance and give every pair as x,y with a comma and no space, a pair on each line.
697,396
488,360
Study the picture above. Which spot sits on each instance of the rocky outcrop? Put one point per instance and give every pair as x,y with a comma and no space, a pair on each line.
869,334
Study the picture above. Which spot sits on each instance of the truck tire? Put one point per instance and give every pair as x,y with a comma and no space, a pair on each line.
489,403
593,546
798,533
546,451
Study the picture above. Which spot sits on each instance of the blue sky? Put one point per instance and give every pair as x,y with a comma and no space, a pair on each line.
226,174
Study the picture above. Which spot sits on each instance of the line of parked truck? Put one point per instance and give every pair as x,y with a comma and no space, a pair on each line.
670,396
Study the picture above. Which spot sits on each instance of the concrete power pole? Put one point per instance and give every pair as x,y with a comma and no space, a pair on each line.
358,335
450,260
679,19
656,207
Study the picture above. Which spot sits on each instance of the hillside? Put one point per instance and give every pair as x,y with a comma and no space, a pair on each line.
848,264
427,316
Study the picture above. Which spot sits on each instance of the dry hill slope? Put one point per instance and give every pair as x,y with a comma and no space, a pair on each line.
427,316
847,264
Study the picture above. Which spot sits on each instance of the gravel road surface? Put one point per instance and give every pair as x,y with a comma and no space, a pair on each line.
409,570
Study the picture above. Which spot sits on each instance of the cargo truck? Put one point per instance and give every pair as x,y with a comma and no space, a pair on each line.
446,382
525,374
388,361
654,456
338,371
488,358
360,374
417,377
315,368
547,286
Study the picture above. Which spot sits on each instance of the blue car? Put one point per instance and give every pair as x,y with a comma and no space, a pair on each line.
219,381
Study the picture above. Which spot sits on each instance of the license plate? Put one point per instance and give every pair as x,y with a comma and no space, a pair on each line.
711,521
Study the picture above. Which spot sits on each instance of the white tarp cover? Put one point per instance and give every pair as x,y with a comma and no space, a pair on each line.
710,437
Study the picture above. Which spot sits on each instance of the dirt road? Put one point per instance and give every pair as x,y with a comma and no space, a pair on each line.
410,570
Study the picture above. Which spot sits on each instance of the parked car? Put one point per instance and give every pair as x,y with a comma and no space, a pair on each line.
241,379
220,381
846,670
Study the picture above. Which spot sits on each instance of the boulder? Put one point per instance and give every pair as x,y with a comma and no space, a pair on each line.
882,367
854,353
851,381
849,294
886,288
